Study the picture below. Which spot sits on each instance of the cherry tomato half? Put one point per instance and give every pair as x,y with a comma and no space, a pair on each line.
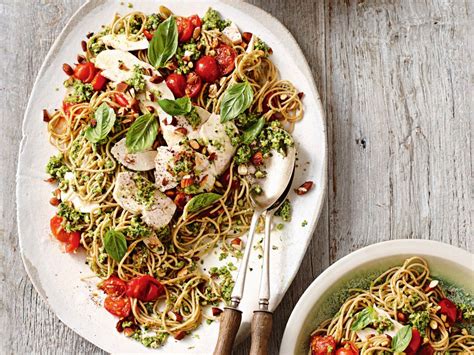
225,56
148,34
114,286
193,85
185,29
177,84
348,348
118,306
415,343
67,106
98,82
449,309
121,100
85,72
72,239
426,349
195,20
57,229
74,242
145,288
207,69
322,345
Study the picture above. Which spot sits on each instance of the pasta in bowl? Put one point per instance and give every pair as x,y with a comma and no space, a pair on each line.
410,296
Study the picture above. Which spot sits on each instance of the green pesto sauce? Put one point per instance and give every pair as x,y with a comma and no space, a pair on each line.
193,118
56,167
212,20
285,211
80,92
146,190
137,81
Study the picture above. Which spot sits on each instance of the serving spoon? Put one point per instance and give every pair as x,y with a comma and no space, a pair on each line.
279,170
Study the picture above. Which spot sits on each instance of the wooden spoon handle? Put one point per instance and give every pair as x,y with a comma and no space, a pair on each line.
230,323
261,329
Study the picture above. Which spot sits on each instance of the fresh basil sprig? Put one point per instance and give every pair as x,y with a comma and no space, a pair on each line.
176,107
402,339
115,244
105,119
164,43
236,100
142,133
364,318
200,202
251,133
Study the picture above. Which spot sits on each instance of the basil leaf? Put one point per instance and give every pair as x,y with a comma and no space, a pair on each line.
402,339
199,202
176,107
142,133
251,133
164,43
105,119
115,244
364,318
236,100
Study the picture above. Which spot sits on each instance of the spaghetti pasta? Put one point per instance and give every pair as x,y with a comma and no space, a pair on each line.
152,276
406,296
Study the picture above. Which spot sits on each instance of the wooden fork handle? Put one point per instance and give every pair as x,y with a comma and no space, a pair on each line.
261,329
229,326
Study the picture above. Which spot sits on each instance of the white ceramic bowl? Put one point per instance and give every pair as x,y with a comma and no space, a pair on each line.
317,303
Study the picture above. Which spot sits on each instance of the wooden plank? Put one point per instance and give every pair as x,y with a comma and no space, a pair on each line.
28,31
306,21
394,76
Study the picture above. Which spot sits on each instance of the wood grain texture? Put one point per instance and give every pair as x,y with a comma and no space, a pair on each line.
394,77
228,327
261,333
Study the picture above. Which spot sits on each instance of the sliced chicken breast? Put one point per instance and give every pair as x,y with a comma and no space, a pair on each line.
214,134
117,65
160,213
163,178
157,214
203,172
141,161
120,41
178,128
125,191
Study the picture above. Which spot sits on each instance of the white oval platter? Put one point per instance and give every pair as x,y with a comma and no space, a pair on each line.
57,276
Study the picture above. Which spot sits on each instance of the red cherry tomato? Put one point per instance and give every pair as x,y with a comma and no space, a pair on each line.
193,85
322,345
67,106
195,20
348,348
177,84
207,69
121,100
148,34
74,242
225,56
185,29
57,229
72,239
415,343
85,72
449,309
114,286
98,82
426,350
145,288
118,306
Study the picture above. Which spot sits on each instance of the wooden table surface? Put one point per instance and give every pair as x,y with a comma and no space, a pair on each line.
394,77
